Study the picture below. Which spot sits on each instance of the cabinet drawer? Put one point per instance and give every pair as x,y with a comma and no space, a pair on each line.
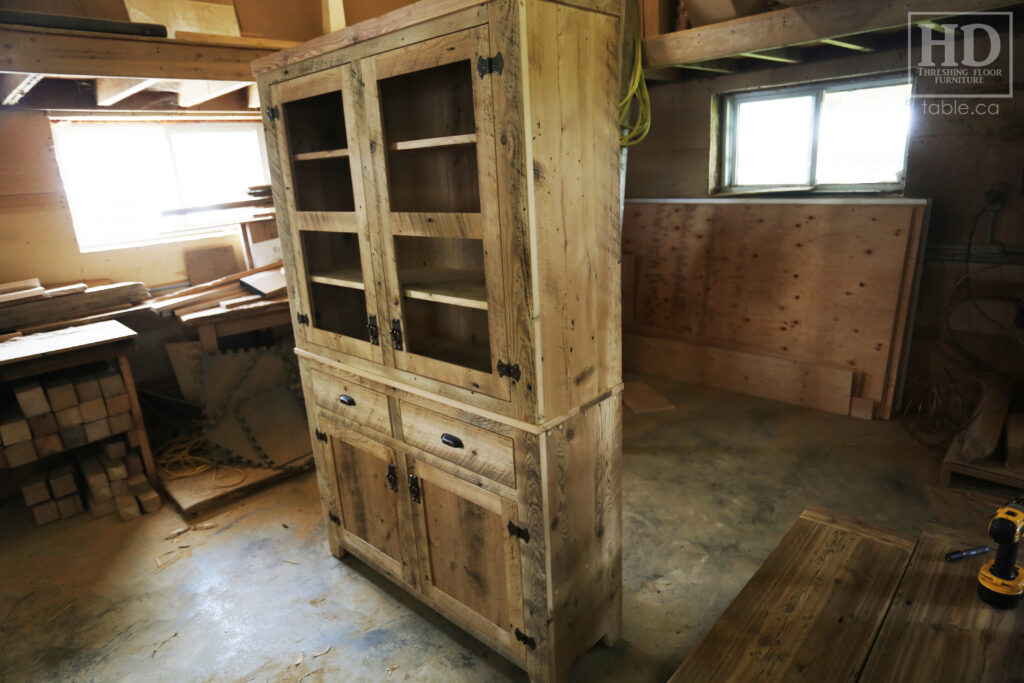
352,401
486,453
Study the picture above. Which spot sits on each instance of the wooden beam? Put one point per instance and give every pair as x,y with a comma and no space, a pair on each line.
718,66
780,55
14,86
252,94
810,23
110,91
848,44
192,93
25,49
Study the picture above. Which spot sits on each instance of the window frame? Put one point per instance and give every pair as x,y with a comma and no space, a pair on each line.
728,105
232,218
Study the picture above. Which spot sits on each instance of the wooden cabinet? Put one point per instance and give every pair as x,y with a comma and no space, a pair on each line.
448,184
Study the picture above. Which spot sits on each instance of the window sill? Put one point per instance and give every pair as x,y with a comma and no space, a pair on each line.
894,191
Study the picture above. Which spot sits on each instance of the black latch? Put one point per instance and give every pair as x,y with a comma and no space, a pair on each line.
273,113
526,640
518,531
509,370
335,519
302,318
392,478
490,65
373,331
414,488
320,436
396,334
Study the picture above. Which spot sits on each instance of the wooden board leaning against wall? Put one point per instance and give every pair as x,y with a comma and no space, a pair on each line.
805,301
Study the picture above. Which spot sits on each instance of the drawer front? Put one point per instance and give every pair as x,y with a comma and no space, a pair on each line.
352,401
486,453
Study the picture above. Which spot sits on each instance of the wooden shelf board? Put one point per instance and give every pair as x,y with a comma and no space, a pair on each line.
445,286
428,143
323,154
351,278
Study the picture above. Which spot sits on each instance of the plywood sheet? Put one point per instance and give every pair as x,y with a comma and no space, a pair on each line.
210,263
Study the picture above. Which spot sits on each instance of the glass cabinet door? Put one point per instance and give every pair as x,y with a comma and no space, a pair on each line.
317,132
430,120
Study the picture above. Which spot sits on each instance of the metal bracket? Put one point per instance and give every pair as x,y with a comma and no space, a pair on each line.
273,113
518,532
320,436
373,331
392,477
414,488
335,519
526,640
509,370
490,65
396,334
302,318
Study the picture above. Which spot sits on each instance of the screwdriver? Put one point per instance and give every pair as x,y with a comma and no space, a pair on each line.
969,552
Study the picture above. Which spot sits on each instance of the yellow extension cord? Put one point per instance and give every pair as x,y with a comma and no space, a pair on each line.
177,459
638,129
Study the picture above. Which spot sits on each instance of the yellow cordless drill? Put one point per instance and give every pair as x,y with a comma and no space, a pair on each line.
1001,581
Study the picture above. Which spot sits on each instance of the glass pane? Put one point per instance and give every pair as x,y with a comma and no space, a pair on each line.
431,103
316,124
773,141
863,135
337,291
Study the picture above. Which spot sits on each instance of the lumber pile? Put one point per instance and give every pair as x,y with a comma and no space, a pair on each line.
27,306
992,445
115,482
261,290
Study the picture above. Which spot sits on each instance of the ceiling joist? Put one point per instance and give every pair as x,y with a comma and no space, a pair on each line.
110,91
191,93
15,86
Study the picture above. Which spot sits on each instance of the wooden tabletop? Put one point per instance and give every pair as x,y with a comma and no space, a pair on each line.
34,346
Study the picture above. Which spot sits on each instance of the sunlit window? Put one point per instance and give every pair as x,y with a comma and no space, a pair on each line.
135,182
829,137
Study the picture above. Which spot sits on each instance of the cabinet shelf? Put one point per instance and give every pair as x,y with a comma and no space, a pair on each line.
323,154
352,278
445,286
432,143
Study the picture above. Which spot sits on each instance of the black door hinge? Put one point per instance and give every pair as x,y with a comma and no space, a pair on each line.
396,334
392,478
490,65
526,640
373,331
320,436
335,519
302,318
509,370
414,488
518,531
273,113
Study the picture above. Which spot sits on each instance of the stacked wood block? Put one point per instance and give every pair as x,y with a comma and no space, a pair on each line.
53,495
60,412
116,483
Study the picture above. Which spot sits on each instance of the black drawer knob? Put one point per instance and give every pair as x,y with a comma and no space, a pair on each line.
451,440
347,400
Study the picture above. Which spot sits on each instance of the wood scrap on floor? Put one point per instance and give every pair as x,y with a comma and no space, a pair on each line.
641,398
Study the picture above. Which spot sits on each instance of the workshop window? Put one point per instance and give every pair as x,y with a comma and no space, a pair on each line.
831,137
132,182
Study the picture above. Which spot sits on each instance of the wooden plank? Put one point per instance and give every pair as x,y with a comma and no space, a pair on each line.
184,357
33,346
213,489
22,295
15,86
938,629
216,314
110,91
210,263
810,23
92,299
19,285
984,432
641,398
863,408
26,49
800,383
207,286
269,283
811,611
192,93
66,289
234,41
207,296
427,143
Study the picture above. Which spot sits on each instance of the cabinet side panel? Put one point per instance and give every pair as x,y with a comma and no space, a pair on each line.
573,85
584,515
326,478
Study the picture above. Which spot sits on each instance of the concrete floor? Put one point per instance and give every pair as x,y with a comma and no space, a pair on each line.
709,489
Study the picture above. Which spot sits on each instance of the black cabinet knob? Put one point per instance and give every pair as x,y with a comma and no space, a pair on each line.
347,400
451,440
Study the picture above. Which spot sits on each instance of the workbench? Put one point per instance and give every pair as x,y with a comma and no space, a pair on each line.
840,599
35,354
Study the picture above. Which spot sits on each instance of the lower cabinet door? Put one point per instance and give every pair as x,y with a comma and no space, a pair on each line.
468,558
373,503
